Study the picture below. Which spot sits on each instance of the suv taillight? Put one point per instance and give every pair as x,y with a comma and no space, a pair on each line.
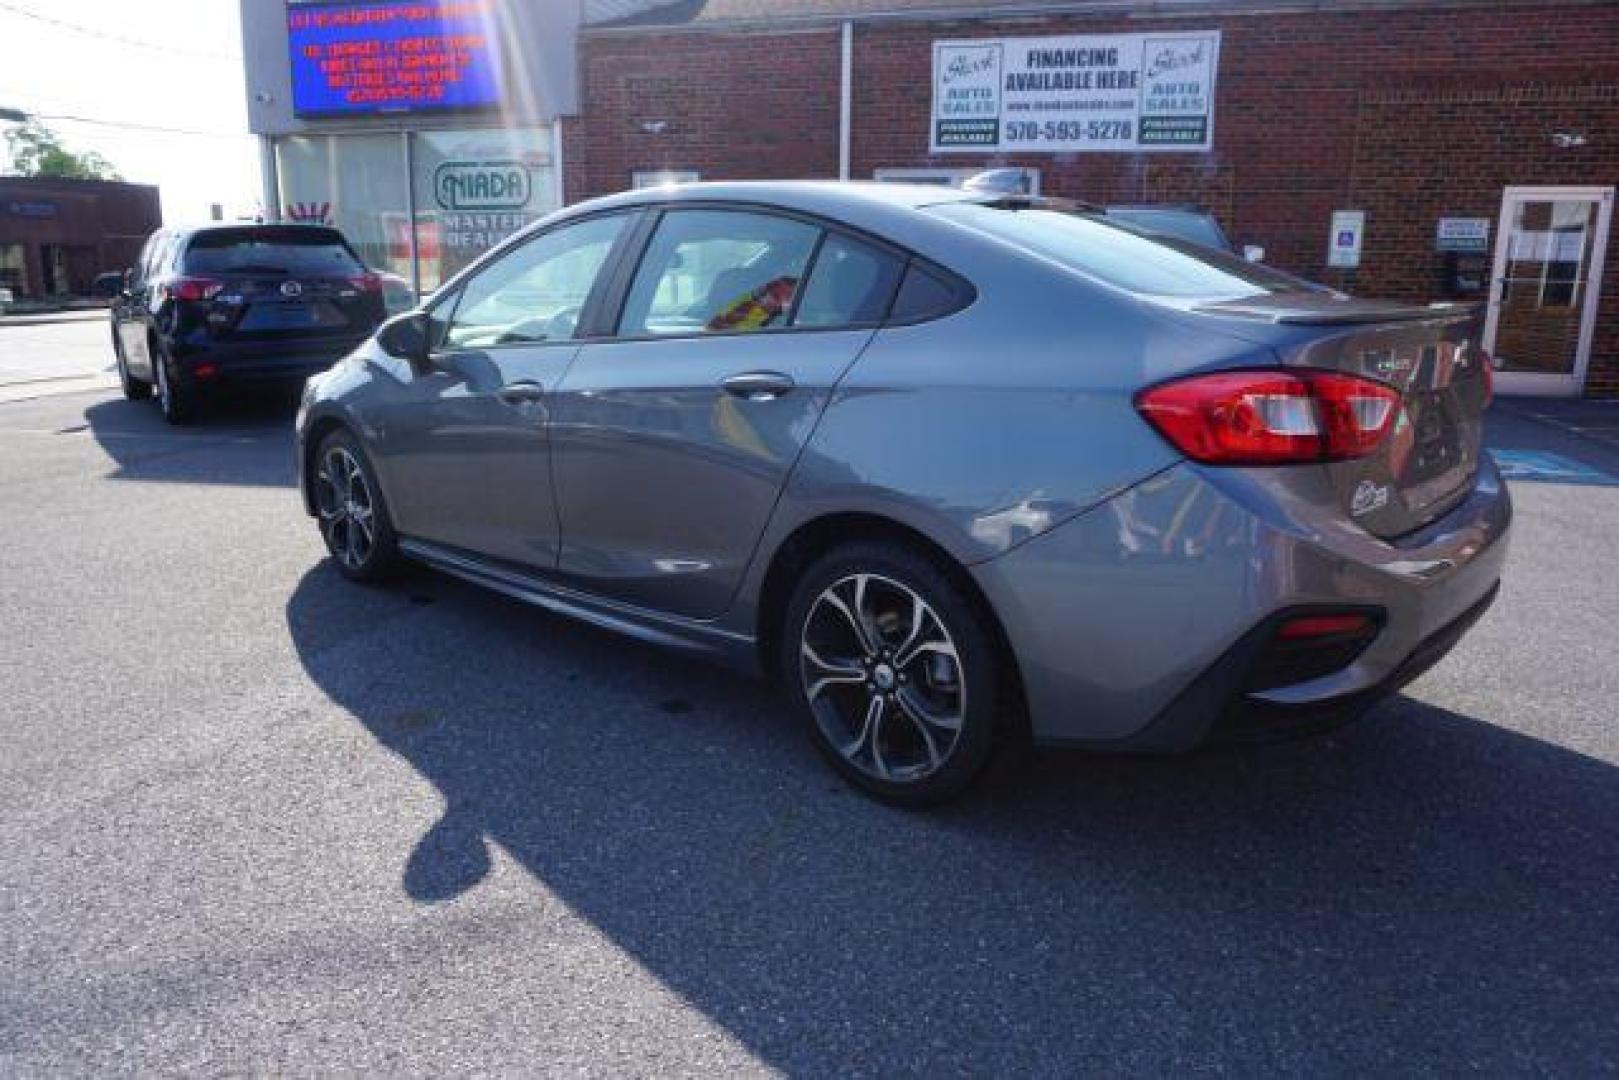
367,282
193,288
1271,417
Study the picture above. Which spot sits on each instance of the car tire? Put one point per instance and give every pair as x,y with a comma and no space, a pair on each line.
134,389
174,400
894,672
351,512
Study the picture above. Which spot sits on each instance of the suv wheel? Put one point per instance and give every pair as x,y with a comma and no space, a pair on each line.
894,673
134,389
174,400
353,518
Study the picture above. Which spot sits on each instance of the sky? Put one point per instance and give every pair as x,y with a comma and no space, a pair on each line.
175,64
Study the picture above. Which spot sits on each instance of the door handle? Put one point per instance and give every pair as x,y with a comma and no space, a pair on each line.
521,392
758,385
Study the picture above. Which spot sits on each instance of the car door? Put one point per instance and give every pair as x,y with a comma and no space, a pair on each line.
672,441
132,312
463,442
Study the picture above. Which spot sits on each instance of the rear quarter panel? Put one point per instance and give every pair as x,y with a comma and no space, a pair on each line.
989,427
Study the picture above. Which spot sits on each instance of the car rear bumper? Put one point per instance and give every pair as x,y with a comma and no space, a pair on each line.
259,363
1140,624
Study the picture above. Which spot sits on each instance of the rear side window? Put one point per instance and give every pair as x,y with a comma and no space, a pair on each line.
297,251
155,245
718,272
851,284
1120,256
926,295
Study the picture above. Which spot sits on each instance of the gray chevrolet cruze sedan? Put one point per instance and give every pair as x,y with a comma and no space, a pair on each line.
954,466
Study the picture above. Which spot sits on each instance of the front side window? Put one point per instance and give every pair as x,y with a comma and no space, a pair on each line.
718,272
537,291
1118,255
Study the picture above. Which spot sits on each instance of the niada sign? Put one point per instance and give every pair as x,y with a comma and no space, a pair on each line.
481,185
1099,93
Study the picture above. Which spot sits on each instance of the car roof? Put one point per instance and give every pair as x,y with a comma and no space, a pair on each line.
833,198
220,226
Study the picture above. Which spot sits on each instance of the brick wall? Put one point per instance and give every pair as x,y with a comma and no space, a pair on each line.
1407,115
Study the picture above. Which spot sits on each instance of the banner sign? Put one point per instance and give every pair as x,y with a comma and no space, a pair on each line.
1120,93
350,59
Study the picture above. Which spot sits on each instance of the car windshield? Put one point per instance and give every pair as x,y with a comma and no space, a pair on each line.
1117,254
302,251
1184,224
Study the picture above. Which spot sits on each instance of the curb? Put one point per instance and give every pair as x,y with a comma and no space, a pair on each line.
54,317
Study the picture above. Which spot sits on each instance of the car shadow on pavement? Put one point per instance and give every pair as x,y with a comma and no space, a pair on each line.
1422,892
224,445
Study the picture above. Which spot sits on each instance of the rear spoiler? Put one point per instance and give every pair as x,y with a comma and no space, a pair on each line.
1341,312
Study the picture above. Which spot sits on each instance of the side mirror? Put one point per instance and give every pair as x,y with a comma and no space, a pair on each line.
408,337
1253,253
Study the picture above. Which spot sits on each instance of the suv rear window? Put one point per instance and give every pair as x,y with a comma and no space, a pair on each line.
304,251
1118,255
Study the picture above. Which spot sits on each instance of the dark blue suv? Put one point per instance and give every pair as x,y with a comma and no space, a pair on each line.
223,306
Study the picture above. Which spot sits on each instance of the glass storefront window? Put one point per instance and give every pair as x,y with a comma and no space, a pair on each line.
357,183
14,269
474,188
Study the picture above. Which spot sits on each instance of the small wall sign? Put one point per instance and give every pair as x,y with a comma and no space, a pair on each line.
1343,246
1465,235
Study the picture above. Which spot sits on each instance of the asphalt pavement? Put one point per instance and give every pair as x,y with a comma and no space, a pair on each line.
254,818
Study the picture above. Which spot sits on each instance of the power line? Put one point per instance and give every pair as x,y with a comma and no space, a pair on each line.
91,31
131,125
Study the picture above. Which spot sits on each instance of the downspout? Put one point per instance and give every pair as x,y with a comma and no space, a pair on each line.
556,161
269,180
846,104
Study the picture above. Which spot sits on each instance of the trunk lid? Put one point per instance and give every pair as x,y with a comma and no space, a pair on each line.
258,306
1431,355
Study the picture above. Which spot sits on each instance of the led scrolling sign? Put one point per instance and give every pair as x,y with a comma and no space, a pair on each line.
428,55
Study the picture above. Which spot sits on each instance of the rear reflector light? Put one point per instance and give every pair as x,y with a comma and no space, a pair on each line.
205,371
1271,417
1312,645
194,289
1310,627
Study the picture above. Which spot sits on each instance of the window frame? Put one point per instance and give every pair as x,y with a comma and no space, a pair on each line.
446,301
614,303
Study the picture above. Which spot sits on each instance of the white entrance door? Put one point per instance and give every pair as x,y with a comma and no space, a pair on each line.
1543,293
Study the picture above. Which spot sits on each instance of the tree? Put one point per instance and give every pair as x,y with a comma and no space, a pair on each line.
36,150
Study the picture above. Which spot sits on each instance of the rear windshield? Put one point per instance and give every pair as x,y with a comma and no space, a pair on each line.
1119,255
302,251
1182,224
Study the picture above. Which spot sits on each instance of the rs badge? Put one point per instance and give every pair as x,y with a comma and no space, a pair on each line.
1369,498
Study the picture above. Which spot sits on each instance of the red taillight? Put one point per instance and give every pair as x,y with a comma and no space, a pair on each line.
1489,376
1271,417
367,283
1309,627
192,288
205,371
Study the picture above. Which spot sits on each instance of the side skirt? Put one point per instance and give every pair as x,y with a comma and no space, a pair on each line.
734,650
